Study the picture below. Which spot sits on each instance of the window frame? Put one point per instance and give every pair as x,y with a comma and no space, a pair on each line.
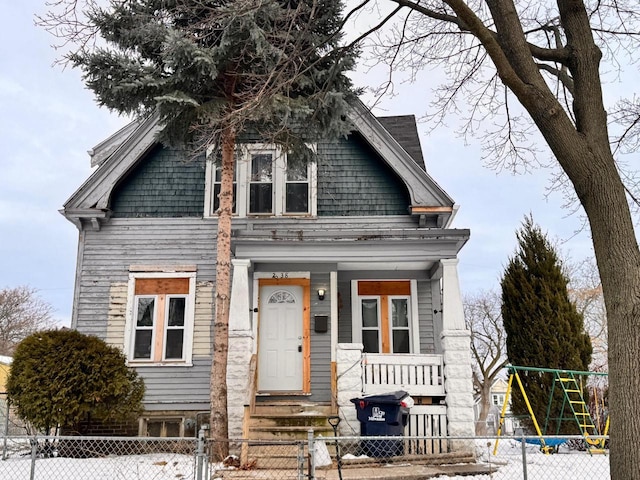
393,329
131,320
242,173
211,179
412,311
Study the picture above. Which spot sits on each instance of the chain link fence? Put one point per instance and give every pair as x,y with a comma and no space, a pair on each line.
314,458
75,458
10,422
555,457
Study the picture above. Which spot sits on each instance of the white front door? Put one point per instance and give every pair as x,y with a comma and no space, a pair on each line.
280,338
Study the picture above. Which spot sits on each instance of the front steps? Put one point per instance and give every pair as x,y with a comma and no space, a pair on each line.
277,433
288,421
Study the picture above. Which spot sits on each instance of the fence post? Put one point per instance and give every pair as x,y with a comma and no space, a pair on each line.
34,454
6,431
201,455
524,458
312,455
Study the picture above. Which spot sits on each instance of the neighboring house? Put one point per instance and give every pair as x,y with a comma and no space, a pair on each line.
498,395
344,277
5,368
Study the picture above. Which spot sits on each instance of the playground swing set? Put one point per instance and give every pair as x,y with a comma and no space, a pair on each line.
570,382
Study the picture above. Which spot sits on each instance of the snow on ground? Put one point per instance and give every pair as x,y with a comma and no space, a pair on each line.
566,464
133,467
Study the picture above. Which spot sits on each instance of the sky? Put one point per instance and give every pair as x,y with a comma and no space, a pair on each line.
49,120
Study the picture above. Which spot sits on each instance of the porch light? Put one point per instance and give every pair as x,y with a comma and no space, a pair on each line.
321,292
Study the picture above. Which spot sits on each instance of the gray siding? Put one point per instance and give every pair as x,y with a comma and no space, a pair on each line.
320,342
353,180
425,320
344,313
165,183
177,388
106,257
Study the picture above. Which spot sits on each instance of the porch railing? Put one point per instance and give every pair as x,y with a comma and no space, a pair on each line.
418,375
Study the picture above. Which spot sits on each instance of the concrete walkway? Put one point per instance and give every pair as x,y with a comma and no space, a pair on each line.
398,471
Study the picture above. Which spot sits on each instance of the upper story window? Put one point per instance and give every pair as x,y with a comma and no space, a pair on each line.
268,182
160,317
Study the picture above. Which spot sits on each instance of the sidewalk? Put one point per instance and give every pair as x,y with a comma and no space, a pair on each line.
369,471
405,472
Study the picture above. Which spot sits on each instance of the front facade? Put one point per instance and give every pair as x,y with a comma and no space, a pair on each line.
342,269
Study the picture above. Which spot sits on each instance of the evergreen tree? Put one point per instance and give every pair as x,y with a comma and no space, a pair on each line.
62,377
543,327
211,70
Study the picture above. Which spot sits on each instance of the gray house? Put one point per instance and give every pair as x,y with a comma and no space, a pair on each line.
344,279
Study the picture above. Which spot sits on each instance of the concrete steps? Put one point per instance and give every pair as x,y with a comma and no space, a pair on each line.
277,430
288,421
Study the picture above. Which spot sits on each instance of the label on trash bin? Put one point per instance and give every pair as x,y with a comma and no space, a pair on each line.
377,414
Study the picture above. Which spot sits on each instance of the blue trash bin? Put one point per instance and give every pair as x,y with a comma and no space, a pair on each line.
382,415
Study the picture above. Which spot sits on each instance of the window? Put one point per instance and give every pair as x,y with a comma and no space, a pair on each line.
385,318
267,182
160,318
261,183
167,427
296,194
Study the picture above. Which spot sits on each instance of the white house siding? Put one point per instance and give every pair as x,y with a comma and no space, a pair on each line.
116,318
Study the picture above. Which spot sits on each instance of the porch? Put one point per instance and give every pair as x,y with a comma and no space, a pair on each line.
420,375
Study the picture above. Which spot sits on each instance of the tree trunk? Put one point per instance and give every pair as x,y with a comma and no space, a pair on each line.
584,153
619,265
219,419
485,406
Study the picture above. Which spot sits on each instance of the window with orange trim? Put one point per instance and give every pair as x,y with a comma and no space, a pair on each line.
383,314
161,318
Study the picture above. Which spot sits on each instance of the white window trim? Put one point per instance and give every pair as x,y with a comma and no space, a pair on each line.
356,314
242,182
189,319
409,326
379,319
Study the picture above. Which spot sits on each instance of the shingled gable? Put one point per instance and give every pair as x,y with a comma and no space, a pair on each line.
118,154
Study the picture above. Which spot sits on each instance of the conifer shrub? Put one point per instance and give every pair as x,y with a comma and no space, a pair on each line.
544,329
60,378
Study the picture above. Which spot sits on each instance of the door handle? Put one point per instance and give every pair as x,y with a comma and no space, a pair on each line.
300,348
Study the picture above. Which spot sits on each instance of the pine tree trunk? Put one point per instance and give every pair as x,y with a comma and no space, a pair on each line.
219,418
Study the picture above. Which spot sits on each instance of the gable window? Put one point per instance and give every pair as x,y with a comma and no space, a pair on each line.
385,317
160,318
268,182
261,182
296,194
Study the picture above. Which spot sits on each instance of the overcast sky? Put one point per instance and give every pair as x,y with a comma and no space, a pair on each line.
49,120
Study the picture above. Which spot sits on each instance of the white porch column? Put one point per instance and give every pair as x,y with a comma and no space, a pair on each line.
349,372
240,347
457,357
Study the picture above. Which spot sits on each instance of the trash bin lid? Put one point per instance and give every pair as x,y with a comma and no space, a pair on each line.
392,398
